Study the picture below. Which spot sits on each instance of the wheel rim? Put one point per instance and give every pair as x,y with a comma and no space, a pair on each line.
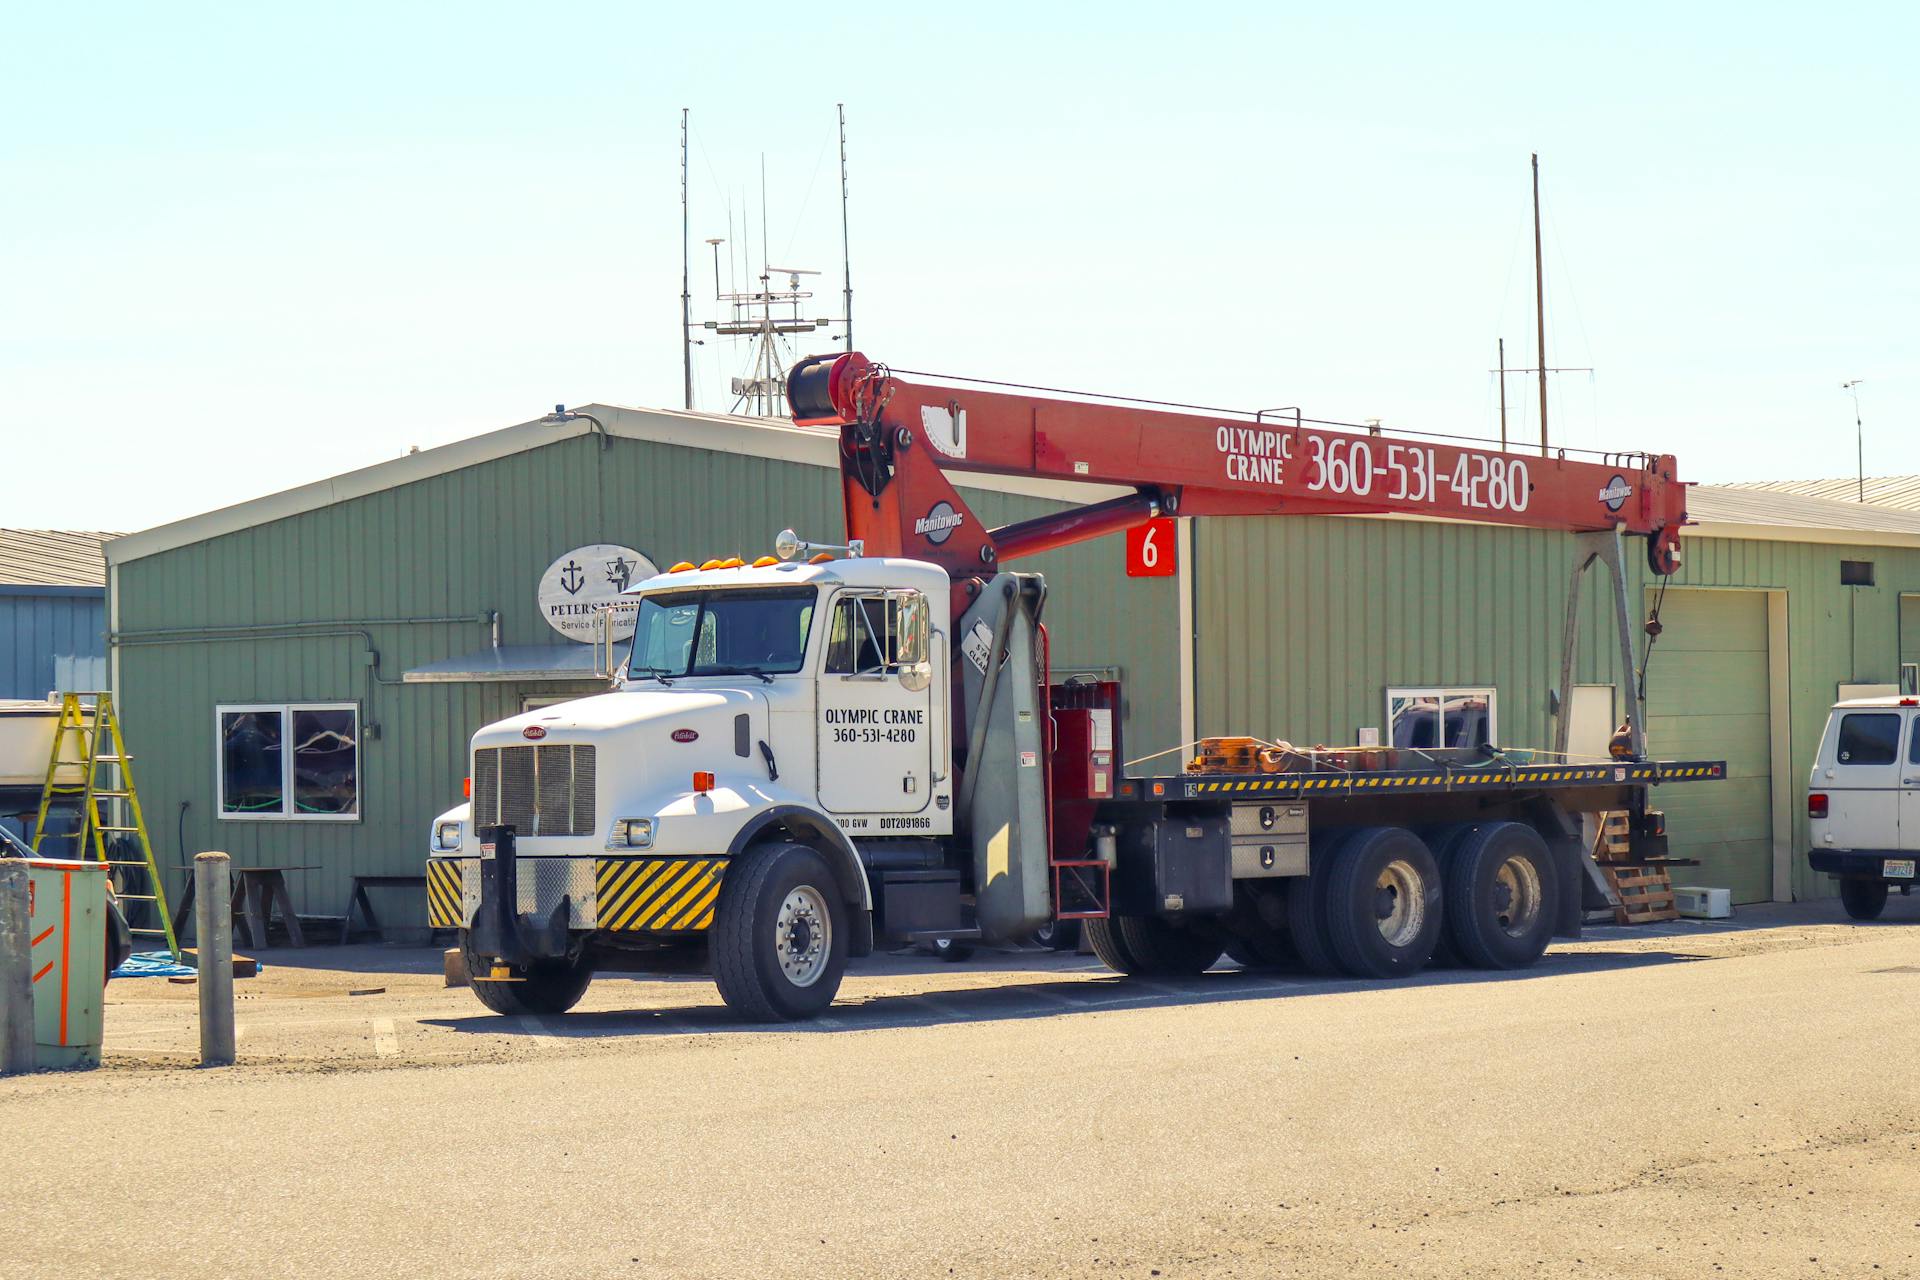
1517,896
803,935
1399,906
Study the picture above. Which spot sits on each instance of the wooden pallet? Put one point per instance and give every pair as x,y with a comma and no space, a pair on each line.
1645,893
1611,845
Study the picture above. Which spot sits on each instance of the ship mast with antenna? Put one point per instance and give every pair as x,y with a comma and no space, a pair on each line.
770,314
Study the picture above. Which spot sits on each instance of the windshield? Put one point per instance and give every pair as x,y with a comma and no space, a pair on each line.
718,633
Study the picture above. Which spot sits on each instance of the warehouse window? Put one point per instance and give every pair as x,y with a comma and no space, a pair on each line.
1443,716
1856,573
289,762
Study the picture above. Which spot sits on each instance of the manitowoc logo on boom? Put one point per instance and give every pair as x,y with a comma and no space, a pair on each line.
939,523
1616,493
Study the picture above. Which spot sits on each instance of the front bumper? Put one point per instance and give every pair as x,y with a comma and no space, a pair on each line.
1869,864
624,895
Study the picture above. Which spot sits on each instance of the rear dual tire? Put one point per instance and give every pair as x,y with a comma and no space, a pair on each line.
1502,895
1380,902
1147,946
1383,904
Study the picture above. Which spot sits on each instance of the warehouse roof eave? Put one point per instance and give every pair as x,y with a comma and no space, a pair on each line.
723,433
1721,511
52,562
512,663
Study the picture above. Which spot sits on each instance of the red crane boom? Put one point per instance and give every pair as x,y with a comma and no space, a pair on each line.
899,440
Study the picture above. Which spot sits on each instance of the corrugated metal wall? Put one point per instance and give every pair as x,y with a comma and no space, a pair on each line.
465,543
1303,622
37,629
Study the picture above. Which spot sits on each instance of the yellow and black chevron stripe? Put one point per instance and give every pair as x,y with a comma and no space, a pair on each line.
1460,781
657,894
443,893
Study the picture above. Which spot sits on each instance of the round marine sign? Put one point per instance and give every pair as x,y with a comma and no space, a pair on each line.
584,581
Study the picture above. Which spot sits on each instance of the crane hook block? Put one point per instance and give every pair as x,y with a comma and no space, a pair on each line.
1663,551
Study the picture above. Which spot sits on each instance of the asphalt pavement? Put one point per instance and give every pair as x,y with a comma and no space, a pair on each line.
1687,1100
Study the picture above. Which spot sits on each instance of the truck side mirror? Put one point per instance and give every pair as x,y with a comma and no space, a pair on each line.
911,647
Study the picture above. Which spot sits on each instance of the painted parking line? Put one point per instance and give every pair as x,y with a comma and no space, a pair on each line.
386,1044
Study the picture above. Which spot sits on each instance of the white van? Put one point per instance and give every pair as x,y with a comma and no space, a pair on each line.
1863,800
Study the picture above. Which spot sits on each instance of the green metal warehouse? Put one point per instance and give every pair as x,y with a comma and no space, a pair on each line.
373,621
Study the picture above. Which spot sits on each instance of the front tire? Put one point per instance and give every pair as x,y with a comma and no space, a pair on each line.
543,987
779,937
1864,899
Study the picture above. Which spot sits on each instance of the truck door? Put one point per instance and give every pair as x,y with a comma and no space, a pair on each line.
876,705
1863,777
1910,789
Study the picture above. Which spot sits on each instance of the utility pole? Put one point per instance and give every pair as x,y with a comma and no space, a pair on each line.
1852,388
1503,395
846,262
1503,371
1540,305
686,298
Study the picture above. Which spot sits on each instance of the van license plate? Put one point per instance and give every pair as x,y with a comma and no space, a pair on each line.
1897,868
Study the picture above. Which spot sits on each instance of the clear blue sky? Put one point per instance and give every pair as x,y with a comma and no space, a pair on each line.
243,247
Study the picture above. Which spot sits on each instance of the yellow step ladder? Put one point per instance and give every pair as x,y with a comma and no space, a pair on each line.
90,769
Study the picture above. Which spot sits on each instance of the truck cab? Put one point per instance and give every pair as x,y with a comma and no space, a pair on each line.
780,704
1863,800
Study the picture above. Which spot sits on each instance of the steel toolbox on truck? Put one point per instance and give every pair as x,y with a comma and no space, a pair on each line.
1863,801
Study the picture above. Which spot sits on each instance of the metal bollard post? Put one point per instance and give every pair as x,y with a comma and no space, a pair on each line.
213,932
16,969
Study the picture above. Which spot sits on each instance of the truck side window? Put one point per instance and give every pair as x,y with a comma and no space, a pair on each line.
862,639
877,634
1913,751
1869,738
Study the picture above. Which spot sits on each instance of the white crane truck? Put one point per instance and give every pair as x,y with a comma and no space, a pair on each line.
811,755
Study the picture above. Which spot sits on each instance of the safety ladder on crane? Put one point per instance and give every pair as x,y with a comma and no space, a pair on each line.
90,769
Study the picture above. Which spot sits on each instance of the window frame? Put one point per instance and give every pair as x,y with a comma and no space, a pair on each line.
1870,713
896,636
809,595
1440,693
286,712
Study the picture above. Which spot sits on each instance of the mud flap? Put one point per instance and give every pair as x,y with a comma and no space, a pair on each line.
499,930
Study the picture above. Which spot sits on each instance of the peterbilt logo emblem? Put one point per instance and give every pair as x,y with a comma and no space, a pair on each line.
533,731
685,735
939,523
1616,493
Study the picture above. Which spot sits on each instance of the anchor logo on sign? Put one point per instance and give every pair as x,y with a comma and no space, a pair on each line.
572,578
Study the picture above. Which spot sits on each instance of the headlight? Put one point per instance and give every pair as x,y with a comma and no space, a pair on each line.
446,836
632,833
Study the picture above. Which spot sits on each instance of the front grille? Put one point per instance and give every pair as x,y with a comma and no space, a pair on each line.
538,791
